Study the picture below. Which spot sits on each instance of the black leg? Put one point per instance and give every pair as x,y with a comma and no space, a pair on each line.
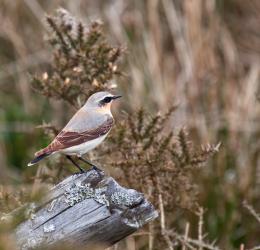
80,169
89,163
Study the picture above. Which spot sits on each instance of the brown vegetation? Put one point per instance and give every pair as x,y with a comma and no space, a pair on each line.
201,55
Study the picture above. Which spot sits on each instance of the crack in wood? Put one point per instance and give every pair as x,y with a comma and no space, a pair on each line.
101,211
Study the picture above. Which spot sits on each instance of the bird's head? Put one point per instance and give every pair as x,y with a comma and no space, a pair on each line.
101,100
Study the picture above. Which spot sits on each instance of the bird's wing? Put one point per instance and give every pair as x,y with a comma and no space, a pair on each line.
67,139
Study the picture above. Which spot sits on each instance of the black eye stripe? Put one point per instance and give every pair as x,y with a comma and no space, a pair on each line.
107,99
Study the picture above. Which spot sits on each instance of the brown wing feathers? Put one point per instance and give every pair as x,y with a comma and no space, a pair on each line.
66,139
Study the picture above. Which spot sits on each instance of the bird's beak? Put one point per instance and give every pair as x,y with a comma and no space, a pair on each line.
116,97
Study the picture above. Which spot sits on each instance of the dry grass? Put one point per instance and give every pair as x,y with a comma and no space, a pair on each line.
201,55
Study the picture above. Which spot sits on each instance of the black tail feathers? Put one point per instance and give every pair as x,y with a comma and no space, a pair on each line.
38,158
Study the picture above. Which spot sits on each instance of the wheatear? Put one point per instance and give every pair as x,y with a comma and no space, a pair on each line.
86,130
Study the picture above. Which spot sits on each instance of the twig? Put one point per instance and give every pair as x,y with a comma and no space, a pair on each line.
162,217
255,248
189,242
151,236
183,240
251,210
200,228
130,243
186,235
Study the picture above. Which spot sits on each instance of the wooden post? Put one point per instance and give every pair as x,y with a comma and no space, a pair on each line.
85,209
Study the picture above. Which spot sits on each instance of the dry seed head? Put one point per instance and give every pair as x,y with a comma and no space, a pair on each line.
45,76
67,81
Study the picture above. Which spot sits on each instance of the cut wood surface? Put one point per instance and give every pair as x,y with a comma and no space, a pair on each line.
85,209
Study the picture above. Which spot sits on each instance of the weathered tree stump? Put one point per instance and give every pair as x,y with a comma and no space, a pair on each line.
85,209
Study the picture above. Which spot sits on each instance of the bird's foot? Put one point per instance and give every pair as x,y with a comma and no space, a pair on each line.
81,171
93,167
96,168
98,171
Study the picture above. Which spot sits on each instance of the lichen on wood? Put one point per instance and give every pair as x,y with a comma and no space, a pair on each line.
85,209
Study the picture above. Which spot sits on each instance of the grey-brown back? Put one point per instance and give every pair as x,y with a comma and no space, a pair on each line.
87,119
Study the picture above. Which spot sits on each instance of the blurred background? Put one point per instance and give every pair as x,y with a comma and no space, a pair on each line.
203,55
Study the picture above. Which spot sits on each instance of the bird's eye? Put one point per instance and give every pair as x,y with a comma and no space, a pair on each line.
107,99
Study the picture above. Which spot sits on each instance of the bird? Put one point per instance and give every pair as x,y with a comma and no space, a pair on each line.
88,128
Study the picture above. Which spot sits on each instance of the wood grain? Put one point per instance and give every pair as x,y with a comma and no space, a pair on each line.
85,209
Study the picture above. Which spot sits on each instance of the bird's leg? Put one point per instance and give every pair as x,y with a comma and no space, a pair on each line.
89,163
78,166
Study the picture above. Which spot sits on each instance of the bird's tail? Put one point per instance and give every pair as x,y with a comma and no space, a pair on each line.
38,158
